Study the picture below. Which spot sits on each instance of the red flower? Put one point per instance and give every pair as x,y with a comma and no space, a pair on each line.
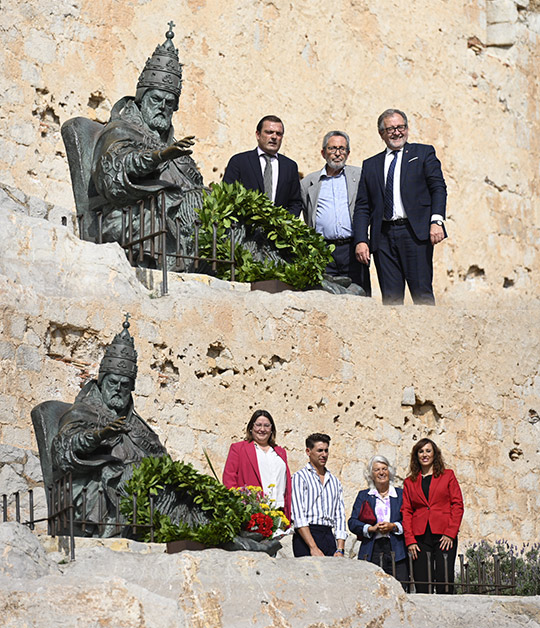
261,523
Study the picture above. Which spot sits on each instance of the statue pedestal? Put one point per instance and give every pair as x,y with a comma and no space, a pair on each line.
271,285
173,547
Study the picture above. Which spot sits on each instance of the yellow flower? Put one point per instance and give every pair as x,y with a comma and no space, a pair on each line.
265,506
271,486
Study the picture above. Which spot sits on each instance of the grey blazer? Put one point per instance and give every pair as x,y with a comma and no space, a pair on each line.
310,186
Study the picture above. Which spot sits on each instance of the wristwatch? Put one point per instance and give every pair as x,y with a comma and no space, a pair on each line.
437,222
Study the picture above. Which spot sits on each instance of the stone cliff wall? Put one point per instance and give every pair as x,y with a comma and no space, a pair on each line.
465,71
375,378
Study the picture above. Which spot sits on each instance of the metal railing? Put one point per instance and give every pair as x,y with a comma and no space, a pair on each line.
62,520
144,236
498,584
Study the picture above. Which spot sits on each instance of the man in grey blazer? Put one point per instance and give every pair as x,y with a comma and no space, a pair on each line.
328,200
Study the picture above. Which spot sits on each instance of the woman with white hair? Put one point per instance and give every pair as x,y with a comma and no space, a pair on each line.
376,519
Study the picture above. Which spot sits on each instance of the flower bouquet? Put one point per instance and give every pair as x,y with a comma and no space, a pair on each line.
264,517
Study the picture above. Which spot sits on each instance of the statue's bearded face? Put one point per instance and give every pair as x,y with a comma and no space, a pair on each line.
157,108
116,391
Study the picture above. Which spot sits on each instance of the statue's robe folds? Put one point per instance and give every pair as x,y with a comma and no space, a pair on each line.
123,173
105,465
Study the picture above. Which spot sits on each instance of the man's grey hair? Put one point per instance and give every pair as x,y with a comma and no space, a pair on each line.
368,473
330,134
387,114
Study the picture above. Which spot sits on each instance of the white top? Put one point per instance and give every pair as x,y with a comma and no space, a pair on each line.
382,512
273,475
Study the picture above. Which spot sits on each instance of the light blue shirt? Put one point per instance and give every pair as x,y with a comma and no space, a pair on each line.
333,220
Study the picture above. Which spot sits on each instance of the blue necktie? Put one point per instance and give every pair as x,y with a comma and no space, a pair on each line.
389,189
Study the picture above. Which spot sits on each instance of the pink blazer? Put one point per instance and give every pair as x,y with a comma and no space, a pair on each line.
241,469
443,511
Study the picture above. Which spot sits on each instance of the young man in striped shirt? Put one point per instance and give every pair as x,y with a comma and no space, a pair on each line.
318,510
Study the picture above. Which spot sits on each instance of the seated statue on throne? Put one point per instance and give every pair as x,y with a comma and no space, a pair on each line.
100,437
135,157
136,154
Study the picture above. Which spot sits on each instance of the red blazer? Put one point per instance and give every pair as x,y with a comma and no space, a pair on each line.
241,469
443,511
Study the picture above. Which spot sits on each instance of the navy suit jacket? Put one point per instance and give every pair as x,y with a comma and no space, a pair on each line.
356,526
246,168
423,192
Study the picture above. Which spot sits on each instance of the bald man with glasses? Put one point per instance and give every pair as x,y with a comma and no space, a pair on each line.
401,201
328,200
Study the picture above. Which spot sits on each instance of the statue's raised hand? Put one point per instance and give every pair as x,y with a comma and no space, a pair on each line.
177,149
118,426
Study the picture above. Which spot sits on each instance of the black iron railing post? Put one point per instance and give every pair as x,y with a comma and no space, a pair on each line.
31,508
100,227
163,241
430,585
233,244
71,518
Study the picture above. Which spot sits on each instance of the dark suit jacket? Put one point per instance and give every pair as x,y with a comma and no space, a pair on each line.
246,168
423,192
443,511
357,527
241,469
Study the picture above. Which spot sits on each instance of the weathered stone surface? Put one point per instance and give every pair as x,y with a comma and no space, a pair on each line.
478,107
498,11
221,589
22,555
209,355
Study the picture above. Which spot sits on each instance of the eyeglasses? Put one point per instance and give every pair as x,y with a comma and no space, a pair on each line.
337,149
266,426
392,129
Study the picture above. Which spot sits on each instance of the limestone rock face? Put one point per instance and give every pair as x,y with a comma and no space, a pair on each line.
466,73
229,590
374,378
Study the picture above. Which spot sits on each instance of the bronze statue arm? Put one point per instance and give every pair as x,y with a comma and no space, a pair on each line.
141,163
118,426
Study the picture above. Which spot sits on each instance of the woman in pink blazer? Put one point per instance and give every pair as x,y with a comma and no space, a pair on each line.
432,511
258,461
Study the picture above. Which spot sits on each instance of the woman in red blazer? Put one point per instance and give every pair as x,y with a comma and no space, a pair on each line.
258,461
432,511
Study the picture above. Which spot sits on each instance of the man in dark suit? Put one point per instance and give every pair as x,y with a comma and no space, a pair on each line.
402,199
265,170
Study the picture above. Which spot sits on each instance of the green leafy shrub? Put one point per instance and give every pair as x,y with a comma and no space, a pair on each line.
527,565
224,508
231,203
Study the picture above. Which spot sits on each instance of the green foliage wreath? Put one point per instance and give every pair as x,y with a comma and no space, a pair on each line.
231,202
224,508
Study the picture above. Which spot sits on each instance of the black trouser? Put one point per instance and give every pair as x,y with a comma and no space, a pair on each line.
345,264
402,257
382,556
323,537
429,542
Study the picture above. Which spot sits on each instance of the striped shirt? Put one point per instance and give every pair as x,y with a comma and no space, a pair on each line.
315,502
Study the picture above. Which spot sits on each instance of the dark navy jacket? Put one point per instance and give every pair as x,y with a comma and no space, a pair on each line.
356,526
